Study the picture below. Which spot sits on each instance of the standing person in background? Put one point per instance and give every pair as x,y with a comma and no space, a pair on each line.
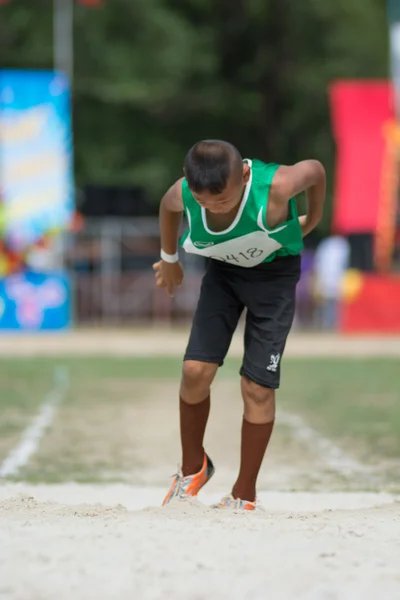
242,215
304,292
330,264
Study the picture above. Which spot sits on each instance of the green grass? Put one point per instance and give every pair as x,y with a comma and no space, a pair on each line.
356,402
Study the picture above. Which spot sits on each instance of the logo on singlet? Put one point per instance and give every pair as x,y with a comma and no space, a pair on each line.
203,244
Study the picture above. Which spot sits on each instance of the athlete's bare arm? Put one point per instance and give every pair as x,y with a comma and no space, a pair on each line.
171,211
305,176
170,275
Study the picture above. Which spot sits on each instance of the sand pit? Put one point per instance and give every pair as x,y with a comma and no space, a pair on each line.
114,541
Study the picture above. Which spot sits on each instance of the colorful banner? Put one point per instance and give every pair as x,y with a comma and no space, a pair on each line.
388,201
36,173
35,302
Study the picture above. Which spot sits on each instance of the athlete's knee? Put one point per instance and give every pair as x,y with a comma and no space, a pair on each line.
197,378
259,401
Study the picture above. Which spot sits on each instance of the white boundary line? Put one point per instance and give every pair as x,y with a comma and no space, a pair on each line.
335,458
29,443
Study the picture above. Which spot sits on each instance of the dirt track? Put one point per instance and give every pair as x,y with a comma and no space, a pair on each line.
161,341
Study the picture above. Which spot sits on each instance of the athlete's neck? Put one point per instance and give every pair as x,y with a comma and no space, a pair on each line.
221,221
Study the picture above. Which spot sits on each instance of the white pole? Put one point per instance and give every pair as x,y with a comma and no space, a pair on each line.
63,37
63,61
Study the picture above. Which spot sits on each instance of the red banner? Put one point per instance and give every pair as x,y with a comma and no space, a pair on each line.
372,304
360,110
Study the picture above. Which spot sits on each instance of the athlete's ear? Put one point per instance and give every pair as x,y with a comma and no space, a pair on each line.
246,173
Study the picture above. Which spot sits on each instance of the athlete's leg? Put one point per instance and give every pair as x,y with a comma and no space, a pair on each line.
257,425
214,323
270,300
194,408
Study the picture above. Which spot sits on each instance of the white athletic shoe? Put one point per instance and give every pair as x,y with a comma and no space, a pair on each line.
235,503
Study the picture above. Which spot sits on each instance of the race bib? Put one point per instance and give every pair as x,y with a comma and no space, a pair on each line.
245,251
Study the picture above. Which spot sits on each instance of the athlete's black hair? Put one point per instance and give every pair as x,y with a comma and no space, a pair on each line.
209,164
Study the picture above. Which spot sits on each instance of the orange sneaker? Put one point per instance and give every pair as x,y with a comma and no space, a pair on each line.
182,487
235,504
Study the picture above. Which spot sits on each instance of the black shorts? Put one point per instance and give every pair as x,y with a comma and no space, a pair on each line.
268,292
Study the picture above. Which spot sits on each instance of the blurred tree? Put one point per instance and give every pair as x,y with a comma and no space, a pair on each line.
154,76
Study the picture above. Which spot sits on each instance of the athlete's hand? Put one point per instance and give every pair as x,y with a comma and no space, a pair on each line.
306,225
168,276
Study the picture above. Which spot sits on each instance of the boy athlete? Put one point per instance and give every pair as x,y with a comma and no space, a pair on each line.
242,215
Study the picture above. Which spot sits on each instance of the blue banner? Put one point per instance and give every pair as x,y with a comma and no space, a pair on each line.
35,302
36,171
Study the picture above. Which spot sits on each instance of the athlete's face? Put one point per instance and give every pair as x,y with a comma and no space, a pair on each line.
229,198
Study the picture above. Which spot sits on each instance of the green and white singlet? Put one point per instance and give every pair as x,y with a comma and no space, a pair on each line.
248,241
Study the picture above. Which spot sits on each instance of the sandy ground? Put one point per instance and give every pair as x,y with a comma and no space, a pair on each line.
113,541
87,542
162,341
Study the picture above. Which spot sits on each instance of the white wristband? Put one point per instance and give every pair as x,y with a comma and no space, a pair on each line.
169,258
